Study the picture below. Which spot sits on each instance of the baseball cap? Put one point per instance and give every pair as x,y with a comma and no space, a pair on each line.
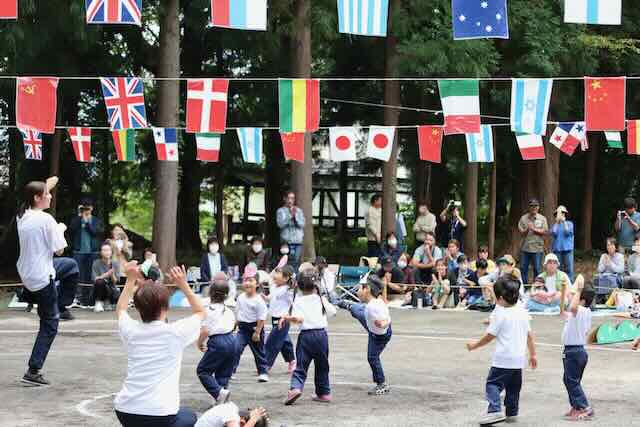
534,202
563,209
506,259
551,258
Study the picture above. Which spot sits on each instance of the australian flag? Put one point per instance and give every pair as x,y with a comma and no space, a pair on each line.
114,11
480,19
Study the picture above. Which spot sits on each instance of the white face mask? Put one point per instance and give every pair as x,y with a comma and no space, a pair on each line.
257,248
392,242
284,251
213,248
120,244
402,264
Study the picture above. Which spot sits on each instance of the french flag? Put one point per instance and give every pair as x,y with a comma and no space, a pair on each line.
239,14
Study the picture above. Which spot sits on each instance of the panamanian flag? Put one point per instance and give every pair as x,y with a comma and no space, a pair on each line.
114,12
239,14
480,19
166,140
568,136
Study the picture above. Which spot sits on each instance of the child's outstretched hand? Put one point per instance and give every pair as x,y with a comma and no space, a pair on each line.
472,345
636,344
258,414
533,361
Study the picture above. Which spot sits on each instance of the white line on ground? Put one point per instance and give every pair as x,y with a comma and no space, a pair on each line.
83,407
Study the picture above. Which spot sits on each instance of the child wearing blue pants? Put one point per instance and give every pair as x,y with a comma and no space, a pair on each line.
509,326
216,366
280,300
251,312
376,320
310,311
575,357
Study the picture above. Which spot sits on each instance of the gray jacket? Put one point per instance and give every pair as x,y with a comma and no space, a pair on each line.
291,229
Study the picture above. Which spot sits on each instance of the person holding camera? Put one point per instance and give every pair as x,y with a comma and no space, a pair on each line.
627,224
453,223
563,240
85,229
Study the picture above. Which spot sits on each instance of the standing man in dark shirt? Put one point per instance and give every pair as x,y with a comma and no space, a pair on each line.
85,229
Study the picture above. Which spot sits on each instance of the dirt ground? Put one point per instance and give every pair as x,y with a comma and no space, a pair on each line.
434,380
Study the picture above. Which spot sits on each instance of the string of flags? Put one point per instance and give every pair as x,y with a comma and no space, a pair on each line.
472,19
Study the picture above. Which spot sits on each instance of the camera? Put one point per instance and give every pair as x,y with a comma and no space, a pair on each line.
453,204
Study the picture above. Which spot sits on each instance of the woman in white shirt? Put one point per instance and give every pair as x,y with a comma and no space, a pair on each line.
150,395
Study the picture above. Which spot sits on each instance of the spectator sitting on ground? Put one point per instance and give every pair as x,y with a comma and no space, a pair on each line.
121,247
425,257
627,224
632,281
545,293
440,287
451,255
425,223
257,254
610,266
506,265
105,275
391,247
410,280
391,276
483,253
466,279
475,294
213,261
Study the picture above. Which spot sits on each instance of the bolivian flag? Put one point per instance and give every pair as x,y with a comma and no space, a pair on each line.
125,143
633,137
299,105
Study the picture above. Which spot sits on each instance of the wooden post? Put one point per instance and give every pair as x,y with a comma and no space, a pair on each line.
493,190
245,212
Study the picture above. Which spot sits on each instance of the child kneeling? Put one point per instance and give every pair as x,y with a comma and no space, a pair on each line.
228,415
509,326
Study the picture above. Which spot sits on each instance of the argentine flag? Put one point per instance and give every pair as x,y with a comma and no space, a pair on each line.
363,17
251,144
530,100
480,145
603,12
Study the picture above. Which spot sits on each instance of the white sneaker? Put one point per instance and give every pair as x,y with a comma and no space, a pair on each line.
99,307
223,396
263,378
492,418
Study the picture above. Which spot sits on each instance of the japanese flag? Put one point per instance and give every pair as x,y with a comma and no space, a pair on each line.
380,142
343,144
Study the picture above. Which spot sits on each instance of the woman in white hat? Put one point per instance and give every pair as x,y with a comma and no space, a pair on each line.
545,293
563,240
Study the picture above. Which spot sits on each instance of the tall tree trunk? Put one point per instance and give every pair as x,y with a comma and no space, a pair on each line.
493,190
523,188
166,197
12,195
584,236
391,117
302,173
275,176
421,178
549,171
344,201
219,203
106,184
188,217
471,208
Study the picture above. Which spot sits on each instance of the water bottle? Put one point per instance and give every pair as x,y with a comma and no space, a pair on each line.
420,303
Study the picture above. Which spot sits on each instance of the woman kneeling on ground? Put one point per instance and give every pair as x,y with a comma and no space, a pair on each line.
150,395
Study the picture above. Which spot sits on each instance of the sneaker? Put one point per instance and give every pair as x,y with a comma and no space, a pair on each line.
434,307
29,308
512,419
570,414
223,396
66,315
492,418
344,304
292,367
322,399
34,379
379,390
263,378
99,307
292,396
586,414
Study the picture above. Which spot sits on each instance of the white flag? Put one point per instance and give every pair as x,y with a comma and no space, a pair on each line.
380,142
343,144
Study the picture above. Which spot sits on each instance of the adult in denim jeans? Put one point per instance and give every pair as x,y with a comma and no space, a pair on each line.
563,240
85,229
627,224
40,238
290,219
533,227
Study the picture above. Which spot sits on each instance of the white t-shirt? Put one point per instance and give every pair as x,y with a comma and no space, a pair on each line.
576,327
220,320
309,307
154,356
250,310
219,416
510,326
281,298
40,237
377,310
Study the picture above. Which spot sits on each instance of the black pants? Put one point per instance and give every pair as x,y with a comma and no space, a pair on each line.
574,359
509,380
373,249
184,418
105,290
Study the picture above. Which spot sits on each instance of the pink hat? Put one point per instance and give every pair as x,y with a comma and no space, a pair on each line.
250,271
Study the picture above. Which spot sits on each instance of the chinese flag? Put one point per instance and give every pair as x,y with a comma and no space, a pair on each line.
605,103
36,103
430,143
293,146
8,9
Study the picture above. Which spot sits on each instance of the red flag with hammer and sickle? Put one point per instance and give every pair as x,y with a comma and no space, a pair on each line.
36,103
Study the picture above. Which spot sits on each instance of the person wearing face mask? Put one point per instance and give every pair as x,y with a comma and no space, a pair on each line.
257,254
121,247
391,247
213,261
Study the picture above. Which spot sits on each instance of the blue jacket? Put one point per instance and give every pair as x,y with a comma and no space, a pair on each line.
562,237
93,227
205,271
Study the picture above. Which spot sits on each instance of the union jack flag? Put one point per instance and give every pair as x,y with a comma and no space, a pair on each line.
114,11
124,99
32,140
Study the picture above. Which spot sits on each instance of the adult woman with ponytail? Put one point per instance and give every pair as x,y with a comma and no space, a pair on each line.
40,238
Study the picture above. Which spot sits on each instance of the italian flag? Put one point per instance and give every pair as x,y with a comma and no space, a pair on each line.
125,143
460,105
299,105
633,137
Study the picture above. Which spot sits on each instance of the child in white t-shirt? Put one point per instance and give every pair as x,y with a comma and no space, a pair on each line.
228,415
217,363
374,316
574,337
509,326
280,299
251,313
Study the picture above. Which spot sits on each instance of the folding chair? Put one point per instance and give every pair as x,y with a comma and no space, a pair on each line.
349,278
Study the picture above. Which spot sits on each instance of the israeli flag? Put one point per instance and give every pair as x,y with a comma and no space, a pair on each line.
251,144
530,100
601,12
363,17
480,145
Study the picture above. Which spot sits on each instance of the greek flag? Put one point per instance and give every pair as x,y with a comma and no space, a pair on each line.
480,145
363,17
251,144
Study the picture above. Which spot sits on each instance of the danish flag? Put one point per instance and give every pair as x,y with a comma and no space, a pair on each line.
207,105
81,140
